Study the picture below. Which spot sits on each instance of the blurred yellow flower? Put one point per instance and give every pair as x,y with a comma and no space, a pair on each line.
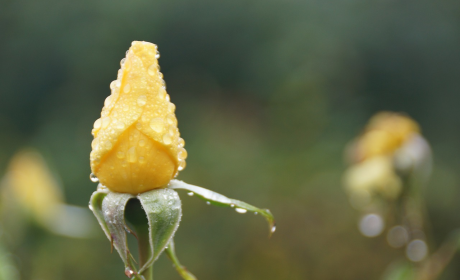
137,145
31,184
385,133
373,176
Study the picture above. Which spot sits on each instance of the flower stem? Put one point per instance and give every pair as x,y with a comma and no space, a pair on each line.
144,251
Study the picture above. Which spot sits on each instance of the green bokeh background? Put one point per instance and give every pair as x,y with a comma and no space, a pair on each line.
268,93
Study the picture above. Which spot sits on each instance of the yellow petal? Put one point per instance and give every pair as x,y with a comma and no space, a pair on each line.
137,146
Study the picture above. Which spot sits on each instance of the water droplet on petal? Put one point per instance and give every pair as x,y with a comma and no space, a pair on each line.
142,160
132,157
120,155
241,210
171,119
182,155
182,165
181,142
127,88
190,193
232,205
142,142
167,139
97,124
157,124
105,122
93,178
152,69
273,229
208,203
122,62
255,213
120,125
142,100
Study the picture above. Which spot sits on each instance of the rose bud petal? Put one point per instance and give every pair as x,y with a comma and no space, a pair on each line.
137,145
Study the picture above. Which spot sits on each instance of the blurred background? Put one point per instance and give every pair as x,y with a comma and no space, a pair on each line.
268,94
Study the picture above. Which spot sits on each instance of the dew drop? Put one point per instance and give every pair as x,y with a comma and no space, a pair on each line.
167,97
120,125
129,272
152,69
171,107
255,213
190,194
97,124
181,142
171,119
157,56
139,125
181,165
113,85
122,62
157,124
108,144
142,100
241,210
162,94
108,101
132,157
142,160
167,139
93,178
142,142
120,155
232,205
127,88
105,122
208,203
182,155
273,229
94,144
117,83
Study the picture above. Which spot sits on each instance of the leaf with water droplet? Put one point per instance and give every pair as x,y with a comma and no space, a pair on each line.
220,200
164,211
108,207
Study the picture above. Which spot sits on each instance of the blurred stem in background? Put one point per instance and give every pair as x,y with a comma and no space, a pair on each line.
390,165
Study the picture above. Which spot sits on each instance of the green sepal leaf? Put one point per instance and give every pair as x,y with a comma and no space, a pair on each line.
164,211
183,272
108,207
113,210
220,200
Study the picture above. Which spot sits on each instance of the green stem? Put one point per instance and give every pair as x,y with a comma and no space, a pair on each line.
144,251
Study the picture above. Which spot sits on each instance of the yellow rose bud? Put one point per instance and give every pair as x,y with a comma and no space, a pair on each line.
33,186
136,146
385,133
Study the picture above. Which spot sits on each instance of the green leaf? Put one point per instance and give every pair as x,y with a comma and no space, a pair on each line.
183,272
220,200
108,207
163,208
